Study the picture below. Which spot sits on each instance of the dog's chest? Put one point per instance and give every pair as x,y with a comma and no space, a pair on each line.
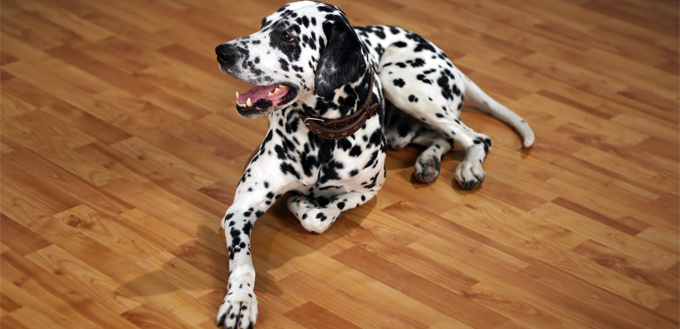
346,164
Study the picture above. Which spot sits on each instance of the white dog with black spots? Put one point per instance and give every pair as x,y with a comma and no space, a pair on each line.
309,67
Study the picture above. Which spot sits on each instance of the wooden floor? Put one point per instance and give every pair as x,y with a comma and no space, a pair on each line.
121,149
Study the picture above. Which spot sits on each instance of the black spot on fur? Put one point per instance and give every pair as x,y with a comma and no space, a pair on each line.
287,168
443,83
373,181
376,138
247,227
400,44
424,79
330,171
455,90
418,62
370,162
355,151
485,141
284,64
344,144
280,153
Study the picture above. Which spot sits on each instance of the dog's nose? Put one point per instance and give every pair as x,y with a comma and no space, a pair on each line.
226,54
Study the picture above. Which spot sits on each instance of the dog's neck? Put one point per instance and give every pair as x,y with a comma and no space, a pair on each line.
355,115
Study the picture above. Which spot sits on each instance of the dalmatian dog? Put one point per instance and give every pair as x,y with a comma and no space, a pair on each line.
336,97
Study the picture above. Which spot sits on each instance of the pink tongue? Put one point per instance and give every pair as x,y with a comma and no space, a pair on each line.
263,92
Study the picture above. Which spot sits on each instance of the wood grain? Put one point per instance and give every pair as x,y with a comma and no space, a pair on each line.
120,150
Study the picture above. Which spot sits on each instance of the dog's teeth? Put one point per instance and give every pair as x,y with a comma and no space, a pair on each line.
271,94
282,86
249,103
277,90
237,95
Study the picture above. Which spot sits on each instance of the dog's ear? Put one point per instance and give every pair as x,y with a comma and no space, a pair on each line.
341,60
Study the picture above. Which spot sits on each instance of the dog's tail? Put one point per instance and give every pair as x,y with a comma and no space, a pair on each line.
491,107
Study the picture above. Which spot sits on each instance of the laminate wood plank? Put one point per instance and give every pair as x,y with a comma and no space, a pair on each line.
108,232
660,237
37,32
594,295
74,273
28,203
62,185
13,106
622,263
101,69
393,307
178,106
153,316
83,313
65,18
315,316
603,234
27,93
84,122
121,149
549,252
447,302
164,164
20,239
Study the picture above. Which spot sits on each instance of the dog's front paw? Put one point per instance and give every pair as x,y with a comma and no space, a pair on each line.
299,205
314,218
239,310
470,174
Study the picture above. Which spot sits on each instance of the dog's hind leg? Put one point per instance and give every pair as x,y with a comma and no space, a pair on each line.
439,111
403,129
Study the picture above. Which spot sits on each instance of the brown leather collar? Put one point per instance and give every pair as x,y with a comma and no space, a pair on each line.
346,126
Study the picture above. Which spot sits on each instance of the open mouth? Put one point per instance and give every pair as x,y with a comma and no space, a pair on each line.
259,99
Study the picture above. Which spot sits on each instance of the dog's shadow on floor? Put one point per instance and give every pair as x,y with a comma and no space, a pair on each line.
200,267
279,238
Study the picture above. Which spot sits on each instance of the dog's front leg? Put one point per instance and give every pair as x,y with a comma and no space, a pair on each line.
239,309
256,192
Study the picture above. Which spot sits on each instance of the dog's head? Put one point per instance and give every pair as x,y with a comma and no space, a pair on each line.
305,49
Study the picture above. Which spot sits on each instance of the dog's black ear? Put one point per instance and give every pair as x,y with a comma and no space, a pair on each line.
341,60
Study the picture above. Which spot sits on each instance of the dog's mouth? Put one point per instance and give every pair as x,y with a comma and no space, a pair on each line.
259,99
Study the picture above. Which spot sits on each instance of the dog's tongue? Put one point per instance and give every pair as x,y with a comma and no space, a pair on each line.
273,93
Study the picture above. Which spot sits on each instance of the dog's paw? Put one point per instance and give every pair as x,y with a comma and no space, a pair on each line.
239,310
314,218
427,169
470,174
299,205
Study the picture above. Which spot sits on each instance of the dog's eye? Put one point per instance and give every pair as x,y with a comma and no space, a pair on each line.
287,36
